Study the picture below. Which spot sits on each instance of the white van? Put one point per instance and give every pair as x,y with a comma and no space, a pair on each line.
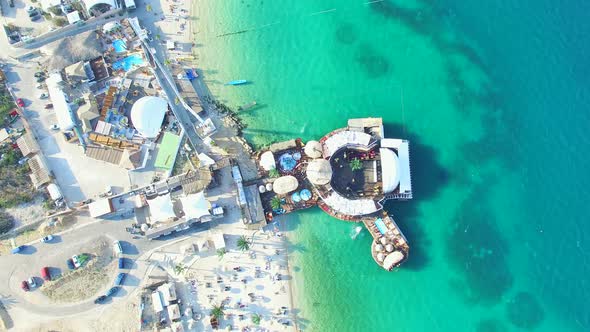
118,248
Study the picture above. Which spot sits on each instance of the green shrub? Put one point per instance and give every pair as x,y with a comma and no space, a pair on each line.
6,222
55,10
59,21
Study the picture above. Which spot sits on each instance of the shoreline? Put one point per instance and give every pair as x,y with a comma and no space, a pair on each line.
223,110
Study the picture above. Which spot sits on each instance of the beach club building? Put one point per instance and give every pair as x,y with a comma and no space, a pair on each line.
349,174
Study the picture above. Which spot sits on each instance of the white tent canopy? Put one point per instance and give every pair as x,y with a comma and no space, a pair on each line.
161,208
389,169
147,115
319,171
313,149
195,206
285,184
62,109
267,161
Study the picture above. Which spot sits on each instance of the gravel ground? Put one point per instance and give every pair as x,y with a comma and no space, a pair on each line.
27,213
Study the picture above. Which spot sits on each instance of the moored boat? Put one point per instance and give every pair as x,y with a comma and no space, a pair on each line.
236,82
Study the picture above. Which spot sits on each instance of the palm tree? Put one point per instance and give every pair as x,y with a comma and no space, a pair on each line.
221,252
356,164
243,243
179,268
273,173
217,311
167,62
256,319
275,203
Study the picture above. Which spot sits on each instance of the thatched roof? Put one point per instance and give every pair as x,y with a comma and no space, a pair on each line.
69,50
267,161
313,149
285,184
319,171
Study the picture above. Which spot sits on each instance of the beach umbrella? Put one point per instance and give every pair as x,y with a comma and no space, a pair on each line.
267,161
295,197
313,149
389,247
378,247
296,155
262,189
285,184
383,240
319,171
305,194
268,186
380,257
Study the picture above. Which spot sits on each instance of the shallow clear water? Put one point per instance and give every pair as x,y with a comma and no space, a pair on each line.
494,98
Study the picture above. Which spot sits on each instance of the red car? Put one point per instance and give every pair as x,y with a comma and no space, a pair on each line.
20,102
45,273
24,285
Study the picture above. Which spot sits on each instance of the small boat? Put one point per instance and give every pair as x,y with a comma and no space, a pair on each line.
236,82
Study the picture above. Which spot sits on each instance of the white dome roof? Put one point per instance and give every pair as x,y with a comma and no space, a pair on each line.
147,115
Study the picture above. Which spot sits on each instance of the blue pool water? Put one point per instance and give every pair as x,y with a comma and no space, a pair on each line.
129,62
119,46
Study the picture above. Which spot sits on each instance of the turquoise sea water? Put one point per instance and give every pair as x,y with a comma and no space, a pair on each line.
494,98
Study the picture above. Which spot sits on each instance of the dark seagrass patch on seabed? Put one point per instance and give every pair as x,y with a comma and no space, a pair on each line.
524,311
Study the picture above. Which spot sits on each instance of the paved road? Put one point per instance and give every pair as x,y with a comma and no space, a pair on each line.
39,42
22,266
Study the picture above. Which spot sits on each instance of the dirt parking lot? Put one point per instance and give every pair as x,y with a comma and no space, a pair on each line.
86,281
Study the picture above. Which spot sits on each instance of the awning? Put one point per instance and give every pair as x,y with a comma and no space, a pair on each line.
389,170
285,184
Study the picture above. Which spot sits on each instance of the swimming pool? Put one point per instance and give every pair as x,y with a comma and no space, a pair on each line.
130,62
119,46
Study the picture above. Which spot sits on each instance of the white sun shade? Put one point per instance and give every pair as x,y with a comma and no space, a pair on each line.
195,206
161,208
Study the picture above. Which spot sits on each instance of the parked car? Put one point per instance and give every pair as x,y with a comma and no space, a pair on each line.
40,79
113,291
45,273
100,299
120,278
17,249
24,285
20,102
70,264
31,282
43,96
11,3
121,263
118,247
39,74
48,106
31,9
54,127
47,238
76,261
